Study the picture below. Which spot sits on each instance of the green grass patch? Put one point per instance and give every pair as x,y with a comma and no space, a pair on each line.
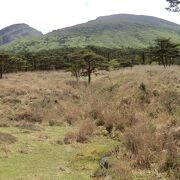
38,155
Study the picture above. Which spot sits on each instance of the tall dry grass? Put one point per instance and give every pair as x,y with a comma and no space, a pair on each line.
141,105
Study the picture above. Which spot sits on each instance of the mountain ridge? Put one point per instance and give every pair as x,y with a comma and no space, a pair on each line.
113,31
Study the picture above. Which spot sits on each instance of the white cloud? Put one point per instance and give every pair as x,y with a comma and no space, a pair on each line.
47,15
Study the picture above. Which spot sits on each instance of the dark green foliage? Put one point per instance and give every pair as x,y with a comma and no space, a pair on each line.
164,52
125,57
16,64
3,63
173,5
76,65
93,62
114,64
11,63
84,63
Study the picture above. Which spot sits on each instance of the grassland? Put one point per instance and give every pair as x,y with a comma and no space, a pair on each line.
42,155
125,125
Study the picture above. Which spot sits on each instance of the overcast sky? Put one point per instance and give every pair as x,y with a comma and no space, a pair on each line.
48,15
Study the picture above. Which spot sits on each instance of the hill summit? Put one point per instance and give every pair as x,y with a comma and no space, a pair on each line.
114,31
16,31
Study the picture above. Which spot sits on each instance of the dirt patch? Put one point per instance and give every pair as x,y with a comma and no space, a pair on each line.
7,138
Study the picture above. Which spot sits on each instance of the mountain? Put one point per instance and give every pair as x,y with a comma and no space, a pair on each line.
17,31
112,31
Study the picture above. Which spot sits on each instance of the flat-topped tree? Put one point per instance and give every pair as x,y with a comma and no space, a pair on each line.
92,63
85,63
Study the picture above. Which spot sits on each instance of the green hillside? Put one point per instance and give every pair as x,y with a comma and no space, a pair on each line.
112,31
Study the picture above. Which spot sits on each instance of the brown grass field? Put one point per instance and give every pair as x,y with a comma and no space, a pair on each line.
137,108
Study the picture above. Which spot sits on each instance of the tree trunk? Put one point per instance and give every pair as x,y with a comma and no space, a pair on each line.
1,68
143,58
163,62
89,77
1,74
89,72
166,61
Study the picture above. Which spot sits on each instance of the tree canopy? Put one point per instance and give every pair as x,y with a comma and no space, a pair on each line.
164,51
84,63
173,5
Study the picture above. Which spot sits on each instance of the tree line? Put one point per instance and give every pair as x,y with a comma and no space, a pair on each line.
85,61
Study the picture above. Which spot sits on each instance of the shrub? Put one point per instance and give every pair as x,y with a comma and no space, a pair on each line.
171,101
29,115
140,140
119,118
124,172
70,137
55,123
85,131
169,160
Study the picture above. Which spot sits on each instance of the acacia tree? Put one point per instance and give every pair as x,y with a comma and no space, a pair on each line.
164,51
86,63
93,62
173,5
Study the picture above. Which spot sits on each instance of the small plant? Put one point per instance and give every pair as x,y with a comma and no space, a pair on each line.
55,123
85,131
142,87
70,137
29,115
124,172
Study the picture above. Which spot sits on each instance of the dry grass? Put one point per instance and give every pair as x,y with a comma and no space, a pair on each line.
7,138
140,104
82,134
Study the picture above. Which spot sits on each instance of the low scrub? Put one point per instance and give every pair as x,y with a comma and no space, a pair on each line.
83,133
141,141
29,116
150,145
138,106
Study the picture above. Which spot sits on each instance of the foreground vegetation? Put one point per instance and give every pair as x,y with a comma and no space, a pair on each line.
125,125
41,154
